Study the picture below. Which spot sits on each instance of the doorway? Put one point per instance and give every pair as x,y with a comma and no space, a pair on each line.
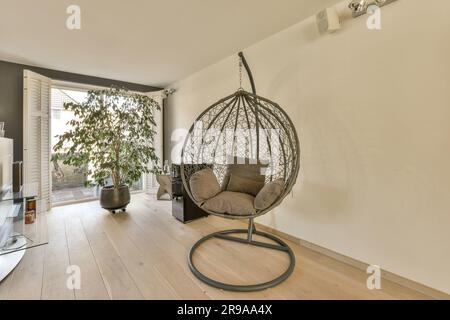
69,183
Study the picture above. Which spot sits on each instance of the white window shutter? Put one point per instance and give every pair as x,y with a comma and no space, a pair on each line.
150,184
36,134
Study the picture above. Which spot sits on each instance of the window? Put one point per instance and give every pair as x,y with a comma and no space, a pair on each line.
56,114
68,183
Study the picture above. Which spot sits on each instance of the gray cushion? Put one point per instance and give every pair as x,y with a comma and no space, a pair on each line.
244,168
269,194
204,185
245,185
228,202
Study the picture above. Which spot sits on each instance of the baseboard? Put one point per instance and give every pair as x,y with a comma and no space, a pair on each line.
151,190
433,293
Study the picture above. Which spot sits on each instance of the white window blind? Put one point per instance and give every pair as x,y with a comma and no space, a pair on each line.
36,134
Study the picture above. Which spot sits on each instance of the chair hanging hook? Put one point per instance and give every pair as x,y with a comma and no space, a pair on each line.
240,74
249,72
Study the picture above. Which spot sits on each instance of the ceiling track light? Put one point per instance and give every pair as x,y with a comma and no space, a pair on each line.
359,7
168,92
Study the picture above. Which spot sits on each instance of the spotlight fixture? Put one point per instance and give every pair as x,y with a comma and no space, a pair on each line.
359,7
169,92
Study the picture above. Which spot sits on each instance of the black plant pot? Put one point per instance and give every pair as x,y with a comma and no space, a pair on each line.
115,198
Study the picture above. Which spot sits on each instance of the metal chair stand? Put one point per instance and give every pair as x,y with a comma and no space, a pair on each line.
228,235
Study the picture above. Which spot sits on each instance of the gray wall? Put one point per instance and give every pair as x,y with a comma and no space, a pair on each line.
11,95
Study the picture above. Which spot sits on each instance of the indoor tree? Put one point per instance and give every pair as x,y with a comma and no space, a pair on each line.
113,132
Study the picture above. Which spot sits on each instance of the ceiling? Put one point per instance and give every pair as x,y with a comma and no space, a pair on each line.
153,42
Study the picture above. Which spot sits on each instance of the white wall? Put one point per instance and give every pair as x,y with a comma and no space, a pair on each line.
372,109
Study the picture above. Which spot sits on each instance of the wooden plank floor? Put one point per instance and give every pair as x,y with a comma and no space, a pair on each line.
142,254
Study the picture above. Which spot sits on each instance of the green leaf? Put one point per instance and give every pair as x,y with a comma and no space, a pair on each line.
113,131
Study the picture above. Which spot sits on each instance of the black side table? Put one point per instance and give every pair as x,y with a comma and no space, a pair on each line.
183,208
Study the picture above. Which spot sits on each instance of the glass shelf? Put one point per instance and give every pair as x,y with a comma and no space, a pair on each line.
29,190
15,234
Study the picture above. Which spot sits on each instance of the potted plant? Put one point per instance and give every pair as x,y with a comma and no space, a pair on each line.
111,135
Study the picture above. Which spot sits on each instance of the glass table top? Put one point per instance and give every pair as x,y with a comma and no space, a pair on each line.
15,233
29,190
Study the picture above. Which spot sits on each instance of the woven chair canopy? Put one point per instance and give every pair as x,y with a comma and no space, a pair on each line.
243,127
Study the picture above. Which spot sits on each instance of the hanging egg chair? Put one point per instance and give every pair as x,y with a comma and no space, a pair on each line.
240,159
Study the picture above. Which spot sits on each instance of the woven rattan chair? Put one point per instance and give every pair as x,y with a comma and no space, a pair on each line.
256,130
